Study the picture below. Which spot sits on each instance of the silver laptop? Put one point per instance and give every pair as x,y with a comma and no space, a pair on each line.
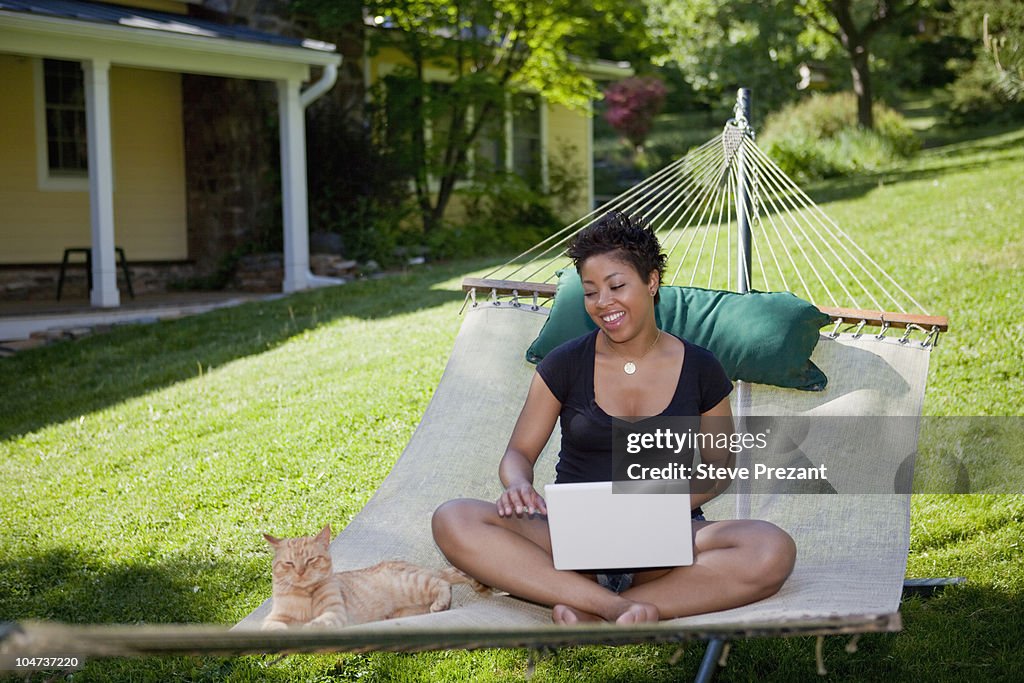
594,529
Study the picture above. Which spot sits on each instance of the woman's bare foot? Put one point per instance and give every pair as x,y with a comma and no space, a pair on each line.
631,613
637,613
567,616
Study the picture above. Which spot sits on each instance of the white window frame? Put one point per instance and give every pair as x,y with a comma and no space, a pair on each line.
46,180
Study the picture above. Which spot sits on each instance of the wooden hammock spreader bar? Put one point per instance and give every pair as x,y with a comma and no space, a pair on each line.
509,287
39,638
879,318
847,315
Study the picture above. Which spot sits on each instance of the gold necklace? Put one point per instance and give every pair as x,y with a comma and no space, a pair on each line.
630,367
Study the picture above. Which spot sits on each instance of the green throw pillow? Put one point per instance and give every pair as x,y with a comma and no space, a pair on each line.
763,337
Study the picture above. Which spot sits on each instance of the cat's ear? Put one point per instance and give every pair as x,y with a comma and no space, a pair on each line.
271,540
325,535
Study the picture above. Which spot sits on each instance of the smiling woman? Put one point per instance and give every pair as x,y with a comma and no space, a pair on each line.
627,367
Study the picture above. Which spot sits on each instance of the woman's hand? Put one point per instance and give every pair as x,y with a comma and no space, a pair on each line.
520,498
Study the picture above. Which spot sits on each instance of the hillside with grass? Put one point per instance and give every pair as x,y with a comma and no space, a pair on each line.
141,467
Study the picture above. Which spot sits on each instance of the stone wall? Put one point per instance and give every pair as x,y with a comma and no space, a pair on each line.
232,167
265,272
39,283
232,155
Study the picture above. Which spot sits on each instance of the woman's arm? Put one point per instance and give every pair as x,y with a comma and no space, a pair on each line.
531,433
718,420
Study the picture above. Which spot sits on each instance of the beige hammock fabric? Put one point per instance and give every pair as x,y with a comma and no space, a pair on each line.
852,548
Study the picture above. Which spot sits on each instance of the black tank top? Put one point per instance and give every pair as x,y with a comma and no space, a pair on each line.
586,449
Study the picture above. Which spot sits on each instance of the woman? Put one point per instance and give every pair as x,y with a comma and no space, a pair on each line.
628,367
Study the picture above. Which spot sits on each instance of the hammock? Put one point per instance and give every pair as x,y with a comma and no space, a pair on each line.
851,548
722,199
731,219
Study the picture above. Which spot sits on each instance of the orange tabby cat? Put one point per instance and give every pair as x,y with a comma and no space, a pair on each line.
308,591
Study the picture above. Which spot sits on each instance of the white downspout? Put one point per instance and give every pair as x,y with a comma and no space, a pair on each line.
292,104
307,97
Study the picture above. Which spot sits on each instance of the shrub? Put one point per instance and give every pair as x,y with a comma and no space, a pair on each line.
819,137
355,190
501,213
632,104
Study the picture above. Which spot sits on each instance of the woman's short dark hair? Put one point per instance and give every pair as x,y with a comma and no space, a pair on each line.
630,236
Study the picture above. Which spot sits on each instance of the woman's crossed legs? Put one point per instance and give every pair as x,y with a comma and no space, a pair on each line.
736,562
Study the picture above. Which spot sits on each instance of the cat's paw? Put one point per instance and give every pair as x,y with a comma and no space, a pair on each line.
441,604
324,621
274,625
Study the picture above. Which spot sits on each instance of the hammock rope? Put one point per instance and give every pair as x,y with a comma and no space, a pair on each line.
699,204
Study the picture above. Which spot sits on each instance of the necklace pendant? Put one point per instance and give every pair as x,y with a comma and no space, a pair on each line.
629,368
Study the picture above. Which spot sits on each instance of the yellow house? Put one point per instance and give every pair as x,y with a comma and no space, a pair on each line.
529,139
91,135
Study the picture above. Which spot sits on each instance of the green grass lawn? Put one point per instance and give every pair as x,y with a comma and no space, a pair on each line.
140,467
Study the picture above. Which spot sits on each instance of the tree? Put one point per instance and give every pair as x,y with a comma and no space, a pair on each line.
854,23
488,50
721,44
632,105
998,27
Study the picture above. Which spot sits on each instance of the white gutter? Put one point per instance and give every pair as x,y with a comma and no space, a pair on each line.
313,53
325,83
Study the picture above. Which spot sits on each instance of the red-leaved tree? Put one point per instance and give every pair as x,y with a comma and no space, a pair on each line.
632,105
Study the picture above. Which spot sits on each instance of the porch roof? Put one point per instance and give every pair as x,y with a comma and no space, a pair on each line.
101,36
151,20
152,39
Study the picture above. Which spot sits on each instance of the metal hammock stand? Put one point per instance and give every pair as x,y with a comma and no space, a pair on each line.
722,209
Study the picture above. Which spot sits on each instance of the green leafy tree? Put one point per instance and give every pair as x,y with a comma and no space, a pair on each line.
720,45
487,50
723,44
854,24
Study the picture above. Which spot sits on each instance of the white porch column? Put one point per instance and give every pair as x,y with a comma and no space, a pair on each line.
104,292
293,186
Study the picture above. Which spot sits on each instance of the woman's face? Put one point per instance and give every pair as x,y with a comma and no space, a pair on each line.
617,299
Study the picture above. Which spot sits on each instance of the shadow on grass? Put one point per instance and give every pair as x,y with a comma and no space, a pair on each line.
55,383
75,586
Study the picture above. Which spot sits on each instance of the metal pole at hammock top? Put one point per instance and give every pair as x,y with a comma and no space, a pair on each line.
741,116
743,187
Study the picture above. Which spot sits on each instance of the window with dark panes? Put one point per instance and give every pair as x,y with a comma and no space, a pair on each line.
66,143
489,148
526,139
440,107
403,107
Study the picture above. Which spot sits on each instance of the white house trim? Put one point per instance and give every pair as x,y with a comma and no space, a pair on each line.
509,132
590,166
545,173
156,49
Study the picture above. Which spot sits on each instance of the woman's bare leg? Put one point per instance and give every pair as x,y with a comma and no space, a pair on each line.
736,562
514,554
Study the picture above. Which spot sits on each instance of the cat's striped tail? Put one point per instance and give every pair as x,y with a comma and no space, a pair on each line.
453,576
